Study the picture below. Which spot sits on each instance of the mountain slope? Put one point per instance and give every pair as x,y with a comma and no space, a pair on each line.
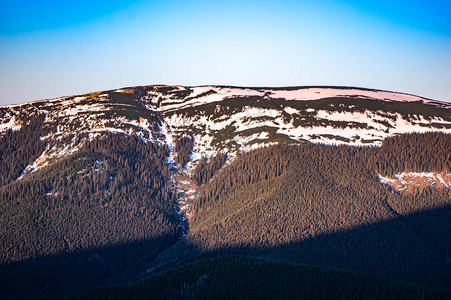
229,118
247,278
94,188
324,205
74,221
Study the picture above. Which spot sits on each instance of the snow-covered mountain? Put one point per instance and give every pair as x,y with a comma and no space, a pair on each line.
93,191
229,119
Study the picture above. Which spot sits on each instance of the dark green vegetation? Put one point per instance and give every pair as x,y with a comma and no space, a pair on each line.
85,219
323,205
206,168
20,148
312,205
107,214
248,278
415,153
183,149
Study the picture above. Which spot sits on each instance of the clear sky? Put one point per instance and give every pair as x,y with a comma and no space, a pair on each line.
56,48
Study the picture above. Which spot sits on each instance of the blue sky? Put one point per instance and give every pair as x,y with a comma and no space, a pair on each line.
55,48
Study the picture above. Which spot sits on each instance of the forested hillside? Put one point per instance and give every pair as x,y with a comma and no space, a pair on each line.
108,213
247,278
115,186
18,149
67,219
424,152
324,205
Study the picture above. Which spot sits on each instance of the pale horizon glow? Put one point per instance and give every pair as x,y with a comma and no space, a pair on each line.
50,49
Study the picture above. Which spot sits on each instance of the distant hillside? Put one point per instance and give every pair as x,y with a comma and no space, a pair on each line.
230,119
111,187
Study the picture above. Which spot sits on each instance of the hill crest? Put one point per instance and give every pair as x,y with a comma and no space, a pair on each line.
230,119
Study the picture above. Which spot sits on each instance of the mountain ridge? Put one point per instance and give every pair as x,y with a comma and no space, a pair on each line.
234,86
233,119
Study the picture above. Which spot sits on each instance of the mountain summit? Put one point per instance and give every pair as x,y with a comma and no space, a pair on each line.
230,119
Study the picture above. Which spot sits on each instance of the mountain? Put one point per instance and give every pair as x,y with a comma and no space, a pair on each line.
111,187
231,119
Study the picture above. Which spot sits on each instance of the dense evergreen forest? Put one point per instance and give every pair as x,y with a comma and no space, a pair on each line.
248,278
324,205
108,214
20,148
183,148
206,168
114,191
418,152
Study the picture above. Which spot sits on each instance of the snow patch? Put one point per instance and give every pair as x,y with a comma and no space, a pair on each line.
407,180
291,110
11,124
321,93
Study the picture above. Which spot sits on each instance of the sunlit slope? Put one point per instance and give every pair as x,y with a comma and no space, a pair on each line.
229,119
325,205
